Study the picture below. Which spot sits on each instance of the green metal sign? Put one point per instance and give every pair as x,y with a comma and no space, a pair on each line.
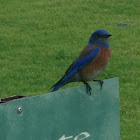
69,114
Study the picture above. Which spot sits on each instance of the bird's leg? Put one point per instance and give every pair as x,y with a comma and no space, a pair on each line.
100,81
88,88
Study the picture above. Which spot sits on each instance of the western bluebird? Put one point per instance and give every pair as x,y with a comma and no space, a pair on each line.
91,62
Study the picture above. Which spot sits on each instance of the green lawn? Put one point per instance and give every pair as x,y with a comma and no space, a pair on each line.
40,39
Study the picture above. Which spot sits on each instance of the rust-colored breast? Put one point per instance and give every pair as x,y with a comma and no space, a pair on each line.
97,66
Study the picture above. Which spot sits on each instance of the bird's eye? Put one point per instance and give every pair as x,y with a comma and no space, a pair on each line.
100,36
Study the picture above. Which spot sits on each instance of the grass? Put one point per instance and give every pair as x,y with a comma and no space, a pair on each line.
40,39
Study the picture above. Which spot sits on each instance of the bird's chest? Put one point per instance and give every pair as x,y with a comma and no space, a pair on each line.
97,66
102,59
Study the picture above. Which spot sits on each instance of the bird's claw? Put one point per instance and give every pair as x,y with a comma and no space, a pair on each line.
88,88
100,81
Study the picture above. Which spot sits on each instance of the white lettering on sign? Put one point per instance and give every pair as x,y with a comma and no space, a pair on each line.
81,136
65,138
84,134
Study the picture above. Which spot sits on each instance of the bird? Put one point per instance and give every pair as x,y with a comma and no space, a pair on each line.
91,62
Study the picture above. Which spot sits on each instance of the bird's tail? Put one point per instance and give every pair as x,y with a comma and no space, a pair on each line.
67,78
59,84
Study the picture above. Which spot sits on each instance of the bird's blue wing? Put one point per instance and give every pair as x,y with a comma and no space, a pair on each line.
83,60
76,66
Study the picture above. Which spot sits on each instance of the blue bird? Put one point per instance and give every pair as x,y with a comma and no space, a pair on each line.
91,62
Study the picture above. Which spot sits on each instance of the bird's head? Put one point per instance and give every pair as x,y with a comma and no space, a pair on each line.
100,38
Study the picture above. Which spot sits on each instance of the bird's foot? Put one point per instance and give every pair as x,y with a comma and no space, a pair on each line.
100,81
88,88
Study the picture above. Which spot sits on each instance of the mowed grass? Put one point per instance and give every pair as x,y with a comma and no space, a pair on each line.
40,39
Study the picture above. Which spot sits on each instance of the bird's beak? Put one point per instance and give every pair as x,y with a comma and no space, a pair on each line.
109,35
